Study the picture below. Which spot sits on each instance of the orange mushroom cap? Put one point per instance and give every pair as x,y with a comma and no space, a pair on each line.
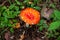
30,16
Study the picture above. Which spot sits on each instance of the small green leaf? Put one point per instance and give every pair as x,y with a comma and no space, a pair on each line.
54,25
17,2
11,6
16,8
26,1
35,1
57,14
41,22
11,30
52,5
37,7
32,5
4,7
41,28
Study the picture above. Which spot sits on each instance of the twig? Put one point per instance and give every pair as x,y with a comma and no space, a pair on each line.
3,3
4,31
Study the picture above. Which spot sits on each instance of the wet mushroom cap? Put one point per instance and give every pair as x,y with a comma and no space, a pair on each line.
30,16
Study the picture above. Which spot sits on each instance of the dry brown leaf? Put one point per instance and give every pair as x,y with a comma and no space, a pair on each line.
22,36
46,12
17,25
7,35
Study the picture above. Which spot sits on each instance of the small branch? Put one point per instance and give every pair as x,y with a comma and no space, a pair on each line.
4,31
3,3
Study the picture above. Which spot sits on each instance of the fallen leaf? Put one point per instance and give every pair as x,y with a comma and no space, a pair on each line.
46,12
22,36
17,25
7,35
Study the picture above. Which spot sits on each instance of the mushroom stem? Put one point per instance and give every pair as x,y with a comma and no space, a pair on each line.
27,25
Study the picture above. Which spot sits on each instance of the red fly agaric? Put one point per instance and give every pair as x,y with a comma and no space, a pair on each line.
30,16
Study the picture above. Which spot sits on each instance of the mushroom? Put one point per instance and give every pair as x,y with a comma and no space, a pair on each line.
30,16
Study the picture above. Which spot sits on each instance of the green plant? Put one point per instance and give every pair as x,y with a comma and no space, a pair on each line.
42,25
54,26
8,13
